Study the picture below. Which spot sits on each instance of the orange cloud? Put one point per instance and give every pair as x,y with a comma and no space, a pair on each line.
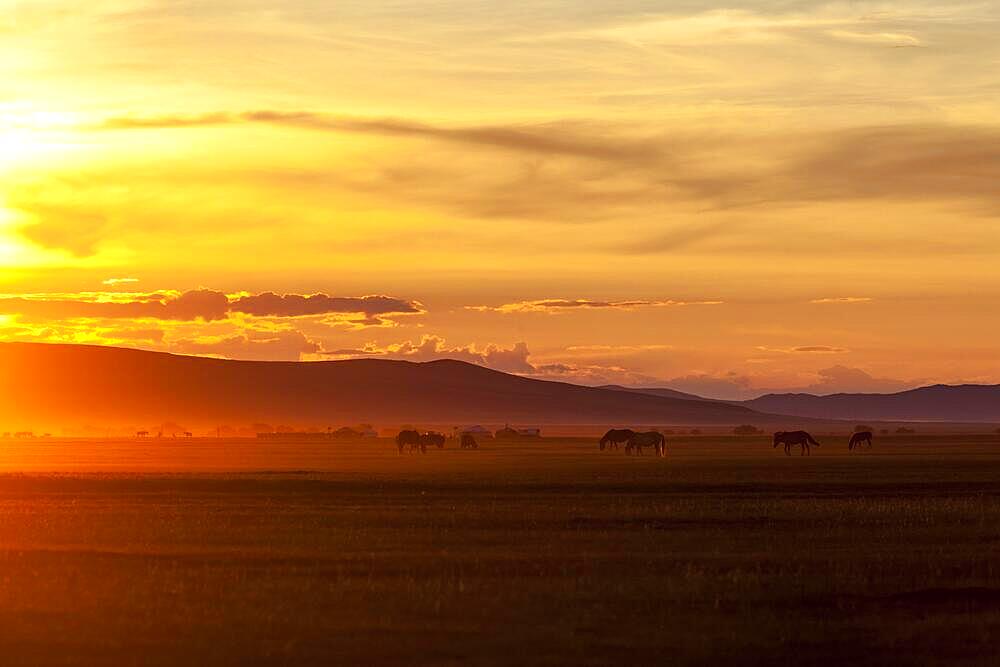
806,349
843,299
511,360
269,304
564,305
550,139
203,304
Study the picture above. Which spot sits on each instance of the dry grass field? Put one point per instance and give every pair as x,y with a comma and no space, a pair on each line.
544,553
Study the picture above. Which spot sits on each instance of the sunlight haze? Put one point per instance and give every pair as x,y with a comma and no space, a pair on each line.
775,196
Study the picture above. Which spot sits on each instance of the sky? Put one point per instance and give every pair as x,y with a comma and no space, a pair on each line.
776,196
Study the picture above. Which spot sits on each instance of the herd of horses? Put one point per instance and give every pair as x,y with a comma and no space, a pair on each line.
416,440
634,441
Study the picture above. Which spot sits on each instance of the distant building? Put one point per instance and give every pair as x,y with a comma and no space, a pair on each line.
531,432
506,432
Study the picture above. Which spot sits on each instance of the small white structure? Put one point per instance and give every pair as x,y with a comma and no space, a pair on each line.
529,432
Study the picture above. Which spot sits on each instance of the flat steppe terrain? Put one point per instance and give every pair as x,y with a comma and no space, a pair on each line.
550,552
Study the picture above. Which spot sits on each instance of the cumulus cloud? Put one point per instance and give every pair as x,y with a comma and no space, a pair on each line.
564,305
730,386
263,346
590,374
429,348
203,304
839,378
514,359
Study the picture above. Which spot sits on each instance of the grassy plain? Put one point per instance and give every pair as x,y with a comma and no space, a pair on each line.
535,553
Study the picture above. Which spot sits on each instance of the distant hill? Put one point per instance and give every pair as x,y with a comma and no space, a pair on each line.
657,391
960,403
49,386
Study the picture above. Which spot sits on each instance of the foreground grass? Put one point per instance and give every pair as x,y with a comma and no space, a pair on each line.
541,554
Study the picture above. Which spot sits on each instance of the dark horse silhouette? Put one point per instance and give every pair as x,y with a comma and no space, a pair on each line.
790,438
411,438
647,439
616,436
858,438
432,439
468,442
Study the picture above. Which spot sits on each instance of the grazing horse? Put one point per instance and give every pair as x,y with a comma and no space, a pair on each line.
647,439
790,438
858,438
411,438
431,439
468,442
615,436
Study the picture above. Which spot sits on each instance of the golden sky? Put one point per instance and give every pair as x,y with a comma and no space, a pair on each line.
790,194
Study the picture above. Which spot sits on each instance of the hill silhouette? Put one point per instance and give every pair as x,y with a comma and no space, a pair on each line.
54,385
663,392
953,403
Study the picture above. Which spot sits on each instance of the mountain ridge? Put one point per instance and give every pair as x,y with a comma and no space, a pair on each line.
938,402
52,385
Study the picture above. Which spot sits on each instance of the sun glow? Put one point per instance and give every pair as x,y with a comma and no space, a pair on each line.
16,147
31,137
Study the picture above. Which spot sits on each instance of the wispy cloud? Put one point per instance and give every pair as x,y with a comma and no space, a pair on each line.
566,305
557,138
843,299
877,38
118,281
804,349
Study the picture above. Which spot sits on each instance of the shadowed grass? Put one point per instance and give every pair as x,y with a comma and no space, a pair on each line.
549,553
